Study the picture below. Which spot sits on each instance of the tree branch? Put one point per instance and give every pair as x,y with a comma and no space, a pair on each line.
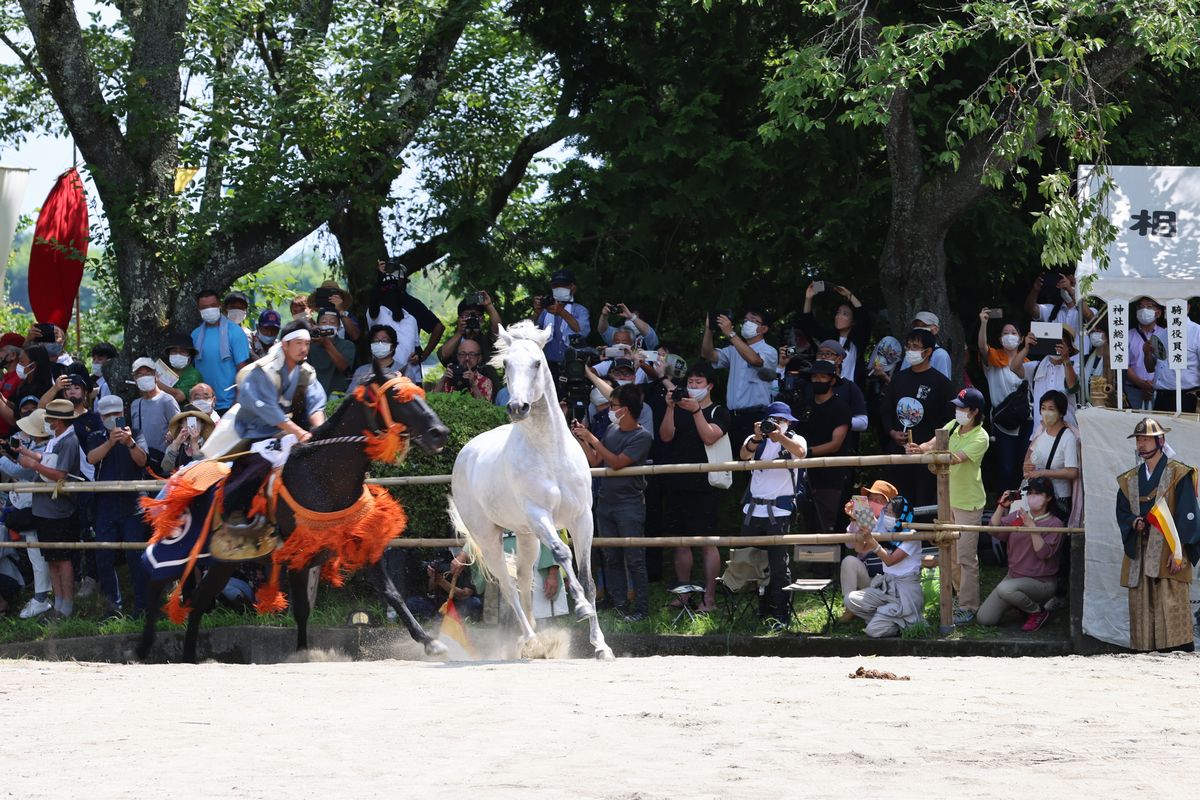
25,58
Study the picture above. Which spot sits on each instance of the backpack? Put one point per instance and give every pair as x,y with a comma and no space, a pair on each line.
1017,409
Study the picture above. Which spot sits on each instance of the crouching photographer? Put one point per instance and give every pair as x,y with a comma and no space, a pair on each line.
468,374
770,501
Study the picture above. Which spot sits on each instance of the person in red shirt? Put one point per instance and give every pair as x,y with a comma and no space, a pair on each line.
10,351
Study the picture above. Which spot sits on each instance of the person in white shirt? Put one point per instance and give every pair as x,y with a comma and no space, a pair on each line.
1166,377
1065,309
1057,372
1147,339
748,358
771,500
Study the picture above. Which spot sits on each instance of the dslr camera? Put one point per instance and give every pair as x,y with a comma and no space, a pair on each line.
678,393
574,380
767,427
472,323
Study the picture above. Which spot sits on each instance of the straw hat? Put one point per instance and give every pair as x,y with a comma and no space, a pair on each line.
35,425
880,487
62,410
335,289
206,423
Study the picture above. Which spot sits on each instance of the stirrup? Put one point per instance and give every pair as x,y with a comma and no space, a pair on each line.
243,541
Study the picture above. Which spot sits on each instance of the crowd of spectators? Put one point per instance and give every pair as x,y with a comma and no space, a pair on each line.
753,383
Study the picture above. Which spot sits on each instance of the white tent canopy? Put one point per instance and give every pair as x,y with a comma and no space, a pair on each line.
1156,211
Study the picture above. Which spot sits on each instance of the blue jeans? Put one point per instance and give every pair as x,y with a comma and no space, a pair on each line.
1010,455
624,519
129,528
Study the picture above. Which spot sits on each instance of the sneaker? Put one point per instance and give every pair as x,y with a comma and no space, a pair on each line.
35,608
1055,604
963,616
87,587
1035,621
392,616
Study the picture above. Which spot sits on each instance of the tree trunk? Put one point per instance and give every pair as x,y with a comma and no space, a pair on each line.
146,301
359,233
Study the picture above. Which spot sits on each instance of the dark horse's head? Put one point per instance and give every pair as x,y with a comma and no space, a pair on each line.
399,414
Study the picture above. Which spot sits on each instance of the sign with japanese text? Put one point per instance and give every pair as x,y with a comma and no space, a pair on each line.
1177,334
1118,326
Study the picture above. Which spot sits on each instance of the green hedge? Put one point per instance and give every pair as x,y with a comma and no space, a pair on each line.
466,417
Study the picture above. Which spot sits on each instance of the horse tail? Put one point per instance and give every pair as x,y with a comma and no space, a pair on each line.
469,546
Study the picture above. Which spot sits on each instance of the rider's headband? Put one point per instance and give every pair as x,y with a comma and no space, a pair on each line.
300,333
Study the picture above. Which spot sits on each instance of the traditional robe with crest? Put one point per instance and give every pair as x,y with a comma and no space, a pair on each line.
1159,609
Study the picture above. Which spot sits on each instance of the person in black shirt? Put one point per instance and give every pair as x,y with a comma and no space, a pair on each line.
824,422
918,402
690,425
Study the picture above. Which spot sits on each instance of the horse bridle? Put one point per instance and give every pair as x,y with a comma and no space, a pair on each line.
375,401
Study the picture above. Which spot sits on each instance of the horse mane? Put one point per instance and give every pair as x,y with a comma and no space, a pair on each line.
331,423
526,330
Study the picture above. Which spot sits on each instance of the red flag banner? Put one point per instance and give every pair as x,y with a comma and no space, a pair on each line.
60,242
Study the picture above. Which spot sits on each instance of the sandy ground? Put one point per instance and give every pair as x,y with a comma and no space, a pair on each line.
675,727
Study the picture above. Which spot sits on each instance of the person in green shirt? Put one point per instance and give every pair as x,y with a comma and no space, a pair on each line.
179,354
968,444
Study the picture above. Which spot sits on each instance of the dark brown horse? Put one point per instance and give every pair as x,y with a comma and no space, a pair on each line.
325,476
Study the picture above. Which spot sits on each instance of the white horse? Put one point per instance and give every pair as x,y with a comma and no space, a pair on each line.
530,477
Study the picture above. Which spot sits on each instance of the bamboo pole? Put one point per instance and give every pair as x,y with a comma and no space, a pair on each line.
829,462
945,526
947,546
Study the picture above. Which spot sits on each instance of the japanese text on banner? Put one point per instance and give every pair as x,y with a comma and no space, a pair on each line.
1118,326
1177,334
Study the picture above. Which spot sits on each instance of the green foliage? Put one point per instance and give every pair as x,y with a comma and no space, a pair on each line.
466,417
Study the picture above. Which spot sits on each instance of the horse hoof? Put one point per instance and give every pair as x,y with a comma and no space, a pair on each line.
435,648
531,648
584,611
605,654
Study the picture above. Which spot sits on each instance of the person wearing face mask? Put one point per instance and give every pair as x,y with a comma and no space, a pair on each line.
1166,377
1147,346
391,290
1151,496
187,433
851,330
891,600
1054,452
116,454
690,425
1002,382
1054,373
221,350
968,444
939,359
32,435
1032,557
237,307
10,382
201,398
329,294
565,317
633,324
917,404
178,354
78,391
331,355
824,421
623,339
101,353
298,308
1096,373
751,363
770,503
1063,306
621,374
151,413
382,339
832,351
620,502
265,333
55,347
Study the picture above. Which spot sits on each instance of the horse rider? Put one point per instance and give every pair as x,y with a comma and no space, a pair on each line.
278,395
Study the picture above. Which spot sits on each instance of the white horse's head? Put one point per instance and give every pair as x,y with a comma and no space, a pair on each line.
519,354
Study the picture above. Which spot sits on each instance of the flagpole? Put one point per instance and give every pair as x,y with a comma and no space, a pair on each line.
78,327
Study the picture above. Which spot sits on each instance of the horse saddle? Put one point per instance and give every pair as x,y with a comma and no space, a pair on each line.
242,537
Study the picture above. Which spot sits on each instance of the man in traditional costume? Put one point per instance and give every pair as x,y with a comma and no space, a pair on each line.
1157,516
278,395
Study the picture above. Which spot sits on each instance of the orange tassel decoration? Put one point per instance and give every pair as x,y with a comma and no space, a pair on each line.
164,514
268,599
389,446
176,610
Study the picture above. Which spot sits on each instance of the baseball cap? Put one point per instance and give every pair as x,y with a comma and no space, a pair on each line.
622,363
926,318
834,347
269,319
12,339
564,277
143,362
237,296
969,398
821,368
110,404
780,410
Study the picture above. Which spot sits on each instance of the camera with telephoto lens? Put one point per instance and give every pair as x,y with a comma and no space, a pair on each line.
576,386
767,427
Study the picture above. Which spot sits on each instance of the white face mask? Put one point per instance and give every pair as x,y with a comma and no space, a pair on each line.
177,360
1009,341
887,523
697,394
236,315
203,405
266,340
962,416
97,368
21,372
145,383
1096,338
210,315
622,383
1146,316
381,349
749,329
914,357
561,293
110,423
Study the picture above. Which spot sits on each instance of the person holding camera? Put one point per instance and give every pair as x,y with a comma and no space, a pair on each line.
187,433
471,311
622,349
32,435
151,413
469,374
969,443
621,374
1054,373
391,304
117,454
633,323
1063,304
751,363
621,502
1002,382
330,295
445,576
563,316
851,329
693,422
331,355
770,501
824,419
1032,557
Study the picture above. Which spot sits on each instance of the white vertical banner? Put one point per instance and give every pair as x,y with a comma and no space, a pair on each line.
1118,330
12,194
1177,335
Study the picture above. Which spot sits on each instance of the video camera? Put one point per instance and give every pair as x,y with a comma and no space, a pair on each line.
574,378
